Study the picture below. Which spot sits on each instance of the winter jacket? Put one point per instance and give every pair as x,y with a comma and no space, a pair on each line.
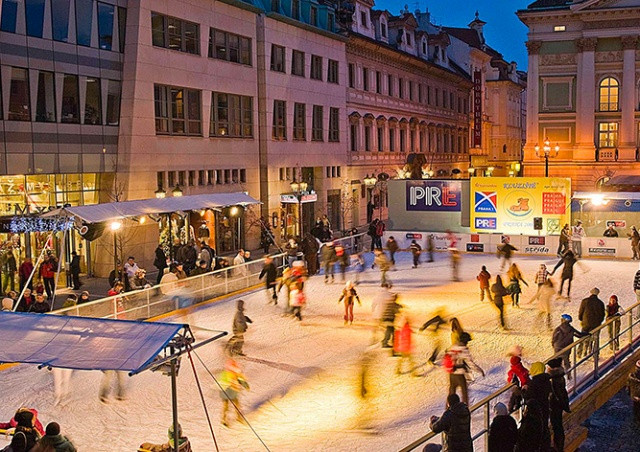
74,266
190,256
390,311
329,255
271,273
539,389
541,276
559,398
25,270
415,249
199,271
507,249
591,313
57,443
160,261
498,293
206,255
635,238
456,425
577,232
382,262
610,233
292,249
529,434
614,310
569,260
503,434
48,269
518,374
40,308
484,277
240,321
563,336
564,236
349,296
402,342
462,361
392,245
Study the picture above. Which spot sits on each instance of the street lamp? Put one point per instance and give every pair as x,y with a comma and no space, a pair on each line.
298,189
115,226
160,193
176,192
546,151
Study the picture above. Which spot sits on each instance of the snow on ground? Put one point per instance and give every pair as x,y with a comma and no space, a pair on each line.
305,376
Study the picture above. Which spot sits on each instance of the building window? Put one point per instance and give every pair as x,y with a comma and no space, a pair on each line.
9,16
334,125
177,111
445,99
437,96
390,85
317,126
313,16
428,95
34,12
383,29
59,19
424,47
452,101
106,18
367,138
202,177
364,19
70,100
378,82
229,47
401,88
231,116
122,28
331,22
92,103
297,63
380,139
181,178
408,38
420,94
410,90
607,134
192,178
175,34
45,98
353,132
299,122
557,93
277,58
422,137
412,140
609,94
275,5
219,177
84,21
332,72
365,79
211,177
392,139
19,103
113,103
316,67
171,179
403,140
279,120
559,28
295,9
351,76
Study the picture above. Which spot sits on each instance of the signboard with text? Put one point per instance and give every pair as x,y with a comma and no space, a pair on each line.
477,109
509,205
433,195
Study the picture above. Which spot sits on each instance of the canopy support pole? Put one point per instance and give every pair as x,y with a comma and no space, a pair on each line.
33,272
174,404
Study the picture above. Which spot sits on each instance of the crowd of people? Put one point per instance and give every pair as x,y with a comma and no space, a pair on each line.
30,436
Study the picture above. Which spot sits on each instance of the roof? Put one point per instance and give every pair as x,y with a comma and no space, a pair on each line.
472,38
81,342
550,4
98,213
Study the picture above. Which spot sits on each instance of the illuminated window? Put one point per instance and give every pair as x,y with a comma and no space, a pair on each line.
559,28
609,94
608,134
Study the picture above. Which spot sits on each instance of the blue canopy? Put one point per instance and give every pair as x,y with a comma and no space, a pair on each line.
81,342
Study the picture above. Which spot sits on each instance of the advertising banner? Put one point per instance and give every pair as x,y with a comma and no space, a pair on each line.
433,195
477,109
509,205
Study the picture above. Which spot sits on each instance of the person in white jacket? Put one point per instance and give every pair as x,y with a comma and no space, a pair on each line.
577,233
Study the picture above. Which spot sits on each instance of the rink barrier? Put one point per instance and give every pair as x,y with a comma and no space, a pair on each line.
585,372
168,298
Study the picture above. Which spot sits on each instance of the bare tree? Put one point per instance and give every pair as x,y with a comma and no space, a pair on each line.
348,202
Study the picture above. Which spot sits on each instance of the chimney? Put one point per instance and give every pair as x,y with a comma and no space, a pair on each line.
477,24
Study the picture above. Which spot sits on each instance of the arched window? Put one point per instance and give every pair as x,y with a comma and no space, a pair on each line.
609,94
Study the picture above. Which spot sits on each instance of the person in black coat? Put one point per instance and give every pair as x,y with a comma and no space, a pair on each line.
591,315
558,401
74,268
40,306
563,337
538,390
270,273
530,432
569,260
160,262
503,433
455,423
499,291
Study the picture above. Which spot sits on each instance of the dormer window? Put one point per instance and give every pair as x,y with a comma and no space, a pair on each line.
364,19
436,54
383,29
408,38
424,47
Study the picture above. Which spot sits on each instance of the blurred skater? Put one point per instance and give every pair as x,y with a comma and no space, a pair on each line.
233,382
403,347
349,296
484,278
515,277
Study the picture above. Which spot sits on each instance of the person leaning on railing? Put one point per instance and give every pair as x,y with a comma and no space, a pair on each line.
563,337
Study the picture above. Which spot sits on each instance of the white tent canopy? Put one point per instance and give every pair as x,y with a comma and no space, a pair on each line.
98,213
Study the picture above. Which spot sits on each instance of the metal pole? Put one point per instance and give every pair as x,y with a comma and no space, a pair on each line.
546,165
174,404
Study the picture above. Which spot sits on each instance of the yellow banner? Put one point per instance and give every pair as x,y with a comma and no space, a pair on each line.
516,205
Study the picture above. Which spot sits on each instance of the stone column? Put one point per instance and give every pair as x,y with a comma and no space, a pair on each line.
627,139
586,100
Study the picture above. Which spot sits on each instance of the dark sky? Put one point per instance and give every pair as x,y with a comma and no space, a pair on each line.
503,31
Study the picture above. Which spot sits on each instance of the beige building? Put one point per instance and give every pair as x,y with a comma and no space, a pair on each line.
583,92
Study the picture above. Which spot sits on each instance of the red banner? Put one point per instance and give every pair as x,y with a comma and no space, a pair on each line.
477,109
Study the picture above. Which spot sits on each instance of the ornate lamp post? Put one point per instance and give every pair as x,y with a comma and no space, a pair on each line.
546,151
299,189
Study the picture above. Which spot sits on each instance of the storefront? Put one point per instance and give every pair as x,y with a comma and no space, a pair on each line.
297,212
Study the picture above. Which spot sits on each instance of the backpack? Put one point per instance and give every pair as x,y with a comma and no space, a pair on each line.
452,362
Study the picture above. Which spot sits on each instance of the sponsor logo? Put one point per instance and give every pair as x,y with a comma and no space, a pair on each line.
536,249
601,243
475,238
603,251
617,223
414,236
486,223
433,196
475,247
536,240
486,202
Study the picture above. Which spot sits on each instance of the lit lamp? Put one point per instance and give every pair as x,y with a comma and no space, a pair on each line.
176,192
472,171
115,225
160,193
546,151
490,171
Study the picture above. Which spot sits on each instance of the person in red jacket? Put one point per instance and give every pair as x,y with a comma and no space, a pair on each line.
484,277
37,425
24,271
48,274
402,346
519,375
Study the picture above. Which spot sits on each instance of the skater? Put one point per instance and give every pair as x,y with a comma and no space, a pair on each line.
343,261
392,246
558,401
383,264
108,378
563,337
505,251
292,249
499,292
568,260
437,320
458,363
431,246
388,319
455,264
298,301
634,236
25,424
270,274
591,316
310,248
329,258
415,252
484,278
539,390
456,331
240,321
349,295
565,238
54,441
541,277
514,289
359,264
634,391
402,347
455,423
546,294
61,383
519,376
614,312
233,382
74,268
577,234
503,433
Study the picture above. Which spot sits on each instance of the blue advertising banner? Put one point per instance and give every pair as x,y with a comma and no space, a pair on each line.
433,195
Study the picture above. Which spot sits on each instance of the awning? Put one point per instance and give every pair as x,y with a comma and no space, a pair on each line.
97,213
81,342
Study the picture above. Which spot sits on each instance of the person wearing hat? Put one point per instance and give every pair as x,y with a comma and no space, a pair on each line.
54,441
503,432
538,390
563,337
558,401
591,316
84,297
415,252
577,233
634,390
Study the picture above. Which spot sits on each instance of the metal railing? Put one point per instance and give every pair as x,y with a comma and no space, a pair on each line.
585,371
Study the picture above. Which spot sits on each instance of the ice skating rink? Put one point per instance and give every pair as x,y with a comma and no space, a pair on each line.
305,376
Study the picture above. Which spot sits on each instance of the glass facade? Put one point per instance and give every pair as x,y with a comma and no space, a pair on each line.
70,100
19,101
106,14
46,100
34,11
60,20
93,107
84,22
9,15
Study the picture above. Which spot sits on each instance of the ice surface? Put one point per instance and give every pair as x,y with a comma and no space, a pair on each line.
305,376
